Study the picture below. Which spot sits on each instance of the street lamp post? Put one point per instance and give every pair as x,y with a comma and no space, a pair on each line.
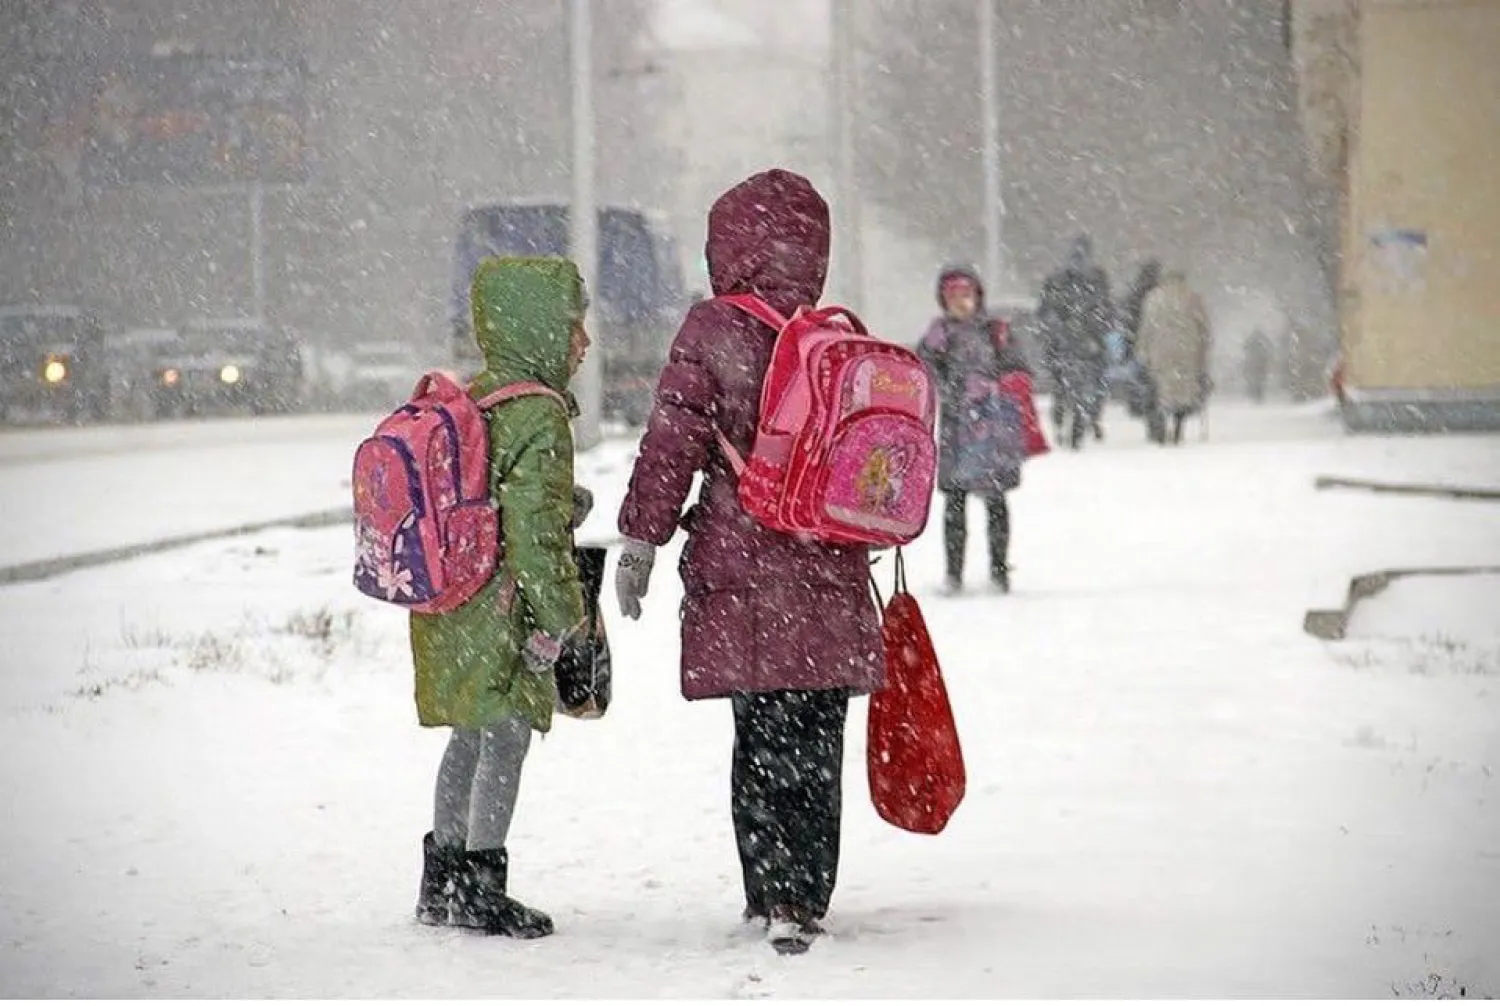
994,206
848,234
583,215
258,250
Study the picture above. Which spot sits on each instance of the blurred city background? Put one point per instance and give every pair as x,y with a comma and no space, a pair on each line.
315,168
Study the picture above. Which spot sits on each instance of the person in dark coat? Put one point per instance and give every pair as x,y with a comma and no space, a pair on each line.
1142,393
968,353
1258,353
785,629
1075,312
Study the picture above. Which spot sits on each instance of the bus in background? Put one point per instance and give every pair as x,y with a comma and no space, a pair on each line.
637,299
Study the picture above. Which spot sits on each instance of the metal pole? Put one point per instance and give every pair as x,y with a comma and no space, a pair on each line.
583,218
257,250
848,235
994,207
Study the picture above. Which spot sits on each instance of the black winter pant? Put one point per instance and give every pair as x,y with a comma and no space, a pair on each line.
1157,425
1078,399
787,796
956,532
1069,416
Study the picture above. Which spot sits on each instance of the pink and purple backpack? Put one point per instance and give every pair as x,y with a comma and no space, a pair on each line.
427,532
844,450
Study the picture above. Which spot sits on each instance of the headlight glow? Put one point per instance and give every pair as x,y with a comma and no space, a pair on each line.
54,372
229,374
170,378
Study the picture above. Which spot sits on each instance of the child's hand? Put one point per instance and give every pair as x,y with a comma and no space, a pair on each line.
540,652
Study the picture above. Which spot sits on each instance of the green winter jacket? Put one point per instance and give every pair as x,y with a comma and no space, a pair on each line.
468,662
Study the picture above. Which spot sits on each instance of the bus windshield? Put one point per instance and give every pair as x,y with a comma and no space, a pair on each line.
636,282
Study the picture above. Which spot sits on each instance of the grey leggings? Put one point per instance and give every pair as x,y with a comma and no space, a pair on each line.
477,785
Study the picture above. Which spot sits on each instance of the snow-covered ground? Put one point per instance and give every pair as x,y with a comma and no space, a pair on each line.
216,787
1439,607
72,491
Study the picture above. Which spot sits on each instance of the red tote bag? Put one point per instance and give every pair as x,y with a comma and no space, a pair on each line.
1018,387
915,765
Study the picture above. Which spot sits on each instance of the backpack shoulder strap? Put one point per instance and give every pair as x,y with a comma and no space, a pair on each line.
735,458
521,389
766,315
756,308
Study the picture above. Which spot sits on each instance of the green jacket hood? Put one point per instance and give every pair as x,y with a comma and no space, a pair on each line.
524,312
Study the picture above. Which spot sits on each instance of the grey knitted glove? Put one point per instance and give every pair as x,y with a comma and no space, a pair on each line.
633,576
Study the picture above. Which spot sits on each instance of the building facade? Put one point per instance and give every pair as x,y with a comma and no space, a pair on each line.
1420,289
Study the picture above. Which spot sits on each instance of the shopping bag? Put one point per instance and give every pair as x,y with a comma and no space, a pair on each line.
1018,387
583,670
914,762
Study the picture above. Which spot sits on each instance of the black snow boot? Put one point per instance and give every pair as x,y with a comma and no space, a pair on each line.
792,930
440,868
755,915
1000,578
480,901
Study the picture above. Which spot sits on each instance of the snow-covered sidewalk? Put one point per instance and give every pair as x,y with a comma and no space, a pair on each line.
216,786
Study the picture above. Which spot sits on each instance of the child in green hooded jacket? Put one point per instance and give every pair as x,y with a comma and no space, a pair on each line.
485,669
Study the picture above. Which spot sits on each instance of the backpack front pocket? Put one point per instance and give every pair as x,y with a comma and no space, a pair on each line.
878,477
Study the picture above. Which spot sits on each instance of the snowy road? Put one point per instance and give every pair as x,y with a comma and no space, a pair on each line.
216,787
70,491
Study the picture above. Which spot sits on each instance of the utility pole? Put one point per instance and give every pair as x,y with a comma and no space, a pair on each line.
583,218
994,206
258,250
848,233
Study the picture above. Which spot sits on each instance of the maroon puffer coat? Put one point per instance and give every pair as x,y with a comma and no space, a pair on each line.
763,611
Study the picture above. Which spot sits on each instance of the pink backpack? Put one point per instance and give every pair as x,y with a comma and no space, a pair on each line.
844,450
426,531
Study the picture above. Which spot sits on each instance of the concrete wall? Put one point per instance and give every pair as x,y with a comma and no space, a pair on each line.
1423,232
